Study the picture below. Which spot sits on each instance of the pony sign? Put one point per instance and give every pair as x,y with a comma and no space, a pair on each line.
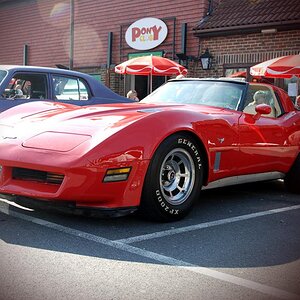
146,33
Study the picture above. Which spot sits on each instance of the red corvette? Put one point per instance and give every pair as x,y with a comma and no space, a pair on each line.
154,156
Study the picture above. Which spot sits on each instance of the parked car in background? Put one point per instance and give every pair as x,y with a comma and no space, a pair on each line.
154,156
22,84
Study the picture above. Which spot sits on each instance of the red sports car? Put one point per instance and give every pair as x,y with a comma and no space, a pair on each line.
154,156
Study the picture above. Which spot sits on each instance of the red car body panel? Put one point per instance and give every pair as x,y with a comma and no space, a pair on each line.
83,143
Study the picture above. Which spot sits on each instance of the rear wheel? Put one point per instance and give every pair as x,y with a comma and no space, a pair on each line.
174,179
292,179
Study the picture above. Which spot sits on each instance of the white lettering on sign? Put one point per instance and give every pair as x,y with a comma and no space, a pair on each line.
146,33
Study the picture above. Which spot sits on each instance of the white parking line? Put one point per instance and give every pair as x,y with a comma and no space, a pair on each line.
278,293
169,232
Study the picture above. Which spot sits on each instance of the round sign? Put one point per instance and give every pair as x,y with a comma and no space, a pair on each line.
146,33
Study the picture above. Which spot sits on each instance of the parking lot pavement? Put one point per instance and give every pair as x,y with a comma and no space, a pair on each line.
238,242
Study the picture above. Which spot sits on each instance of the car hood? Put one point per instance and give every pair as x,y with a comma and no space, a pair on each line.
71,125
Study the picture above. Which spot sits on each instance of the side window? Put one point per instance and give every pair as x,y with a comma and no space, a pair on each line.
278,105
26,86
69,88
260,94
84,95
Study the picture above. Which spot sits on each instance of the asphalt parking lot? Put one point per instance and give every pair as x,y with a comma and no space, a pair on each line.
240,242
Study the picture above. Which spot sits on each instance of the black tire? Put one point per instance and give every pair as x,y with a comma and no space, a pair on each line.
173,181
292,179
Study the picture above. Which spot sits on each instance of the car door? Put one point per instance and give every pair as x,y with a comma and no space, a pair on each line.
263,139
22,87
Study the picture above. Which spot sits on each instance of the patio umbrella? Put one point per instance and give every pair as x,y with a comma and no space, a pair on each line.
280,67
150,65
238,74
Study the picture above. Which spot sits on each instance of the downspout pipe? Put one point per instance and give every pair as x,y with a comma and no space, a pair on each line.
71,50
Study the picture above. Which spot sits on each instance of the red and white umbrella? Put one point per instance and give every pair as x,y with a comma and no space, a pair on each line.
150,65
238,74
280,67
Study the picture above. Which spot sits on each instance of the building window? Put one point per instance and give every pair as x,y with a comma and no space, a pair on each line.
236,72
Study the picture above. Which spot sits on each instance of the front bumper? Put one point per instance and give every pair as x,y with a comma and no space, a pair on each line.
69,207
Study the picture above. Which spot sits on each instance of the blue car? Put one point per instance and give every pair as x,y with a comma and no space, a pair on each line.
21,84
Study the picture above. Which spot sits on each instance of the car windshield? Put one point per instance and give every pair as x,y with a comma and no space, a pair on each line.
213,93
2,75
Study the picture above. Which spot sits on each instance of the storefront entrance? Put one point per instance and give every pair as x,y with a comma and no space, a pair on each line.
141,83
141,86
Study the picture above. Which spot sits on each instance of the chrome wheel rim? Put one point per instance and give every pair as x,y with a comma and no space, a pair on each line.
177,176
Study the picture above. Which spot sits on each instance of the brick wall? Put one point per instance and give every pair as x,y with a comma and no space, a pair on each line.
44,26
38,24
246,50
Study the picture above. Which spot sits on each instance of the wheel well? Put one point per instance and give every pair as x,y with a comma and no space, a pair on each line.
203,152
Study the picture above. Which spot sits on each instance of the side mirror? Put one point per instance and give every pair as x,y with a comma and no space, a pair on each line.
263,109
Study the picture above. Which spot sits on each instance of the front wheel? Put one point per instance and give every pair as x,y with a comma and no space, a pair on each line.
173,180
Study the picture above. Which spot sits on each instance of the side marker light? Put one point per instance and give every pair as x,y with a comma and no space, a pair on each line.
120,174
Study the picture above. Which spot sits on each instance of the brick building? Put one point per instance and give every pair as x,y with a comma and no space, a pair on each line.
89,36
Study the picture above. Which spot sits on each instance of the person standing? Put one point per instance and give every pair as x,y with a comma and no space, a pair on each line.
132,94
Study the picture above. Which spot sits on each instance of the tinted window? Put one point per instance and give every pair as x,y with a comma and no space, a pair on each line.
69,88
26,86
